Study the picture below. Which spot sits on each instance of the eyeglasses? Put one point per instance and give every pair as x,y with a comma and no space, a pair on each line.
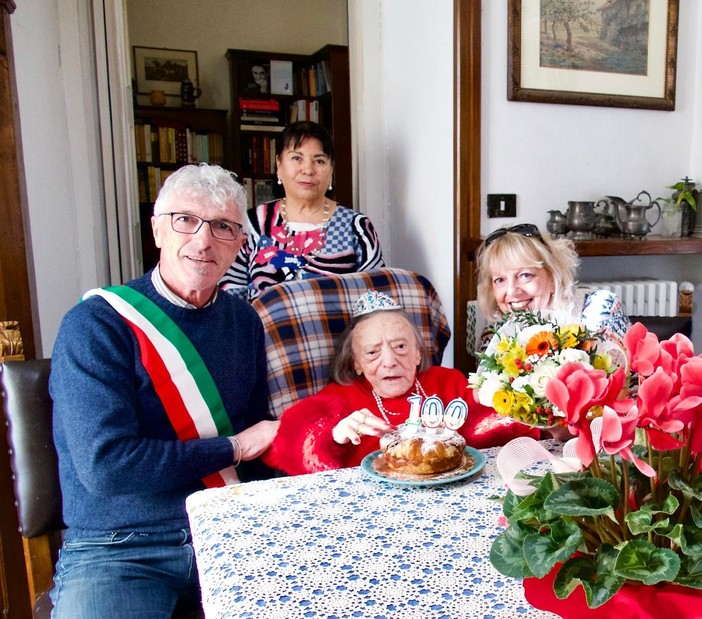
221,229
528,230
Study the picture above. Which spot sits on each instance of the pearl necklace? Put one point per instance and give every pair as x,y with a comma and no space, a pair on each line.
385,412
286,225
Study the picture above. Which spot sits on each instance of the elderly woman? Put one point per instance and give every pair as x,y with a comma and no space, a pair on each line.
381,361
519,269
305,234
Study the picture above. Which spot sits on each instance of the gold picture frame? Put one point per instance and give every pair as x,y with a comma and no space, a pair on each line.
593,55
157,68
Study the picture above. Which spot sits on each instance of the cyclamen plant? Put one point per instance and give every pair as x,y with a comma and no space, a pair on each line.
633,511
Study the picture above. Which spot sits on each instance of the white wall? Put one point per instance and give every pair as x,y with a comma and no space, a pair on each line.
402,55
59,130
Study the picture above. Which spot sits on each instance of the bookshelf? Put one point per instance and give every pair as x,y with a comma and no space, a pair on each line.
296,87
167,138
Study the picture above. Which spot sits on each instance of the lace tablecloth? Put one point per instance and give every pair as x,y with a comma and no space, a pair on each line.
341,545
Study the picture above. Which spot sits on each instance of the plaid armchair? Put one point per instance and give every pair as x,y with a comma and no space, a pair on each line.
304,319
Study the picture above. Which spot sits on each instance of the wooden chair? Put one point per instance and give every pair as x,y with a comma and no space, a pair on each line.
34,463
34,466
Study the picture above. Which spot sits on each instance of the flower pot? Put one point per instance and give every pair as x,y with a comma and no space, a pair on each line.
632,601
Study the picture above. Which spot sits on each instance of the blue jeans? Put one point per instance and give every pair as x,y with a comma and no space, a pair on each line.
125,575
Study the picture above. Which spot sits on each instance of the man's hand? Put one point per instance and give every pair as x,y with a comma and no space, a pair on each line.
256,439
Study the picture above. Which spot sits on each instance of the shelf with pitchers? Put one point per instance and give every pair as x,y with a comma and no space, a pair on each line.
650,245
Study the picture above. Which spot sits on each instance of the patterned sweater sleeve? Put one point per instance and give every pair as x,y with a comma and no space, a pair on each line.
369,254
237,279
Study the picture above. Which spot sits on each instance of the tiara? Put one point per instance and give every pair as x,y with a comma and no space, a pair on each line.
373,301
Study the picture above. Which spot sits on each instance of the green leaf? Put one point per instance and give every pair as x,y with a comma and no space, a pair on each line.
642,521
690,574
531,509
597,577
544,549
689,538
640,560
584,497
678,483
696,515
507,554
510,503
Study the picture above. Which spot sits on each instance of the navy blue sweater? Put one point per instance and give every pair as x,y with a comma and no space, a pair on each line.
121,465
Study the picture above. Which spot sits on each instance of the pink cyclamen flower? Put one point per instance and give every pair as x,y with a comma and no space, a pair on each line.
618,435
643,349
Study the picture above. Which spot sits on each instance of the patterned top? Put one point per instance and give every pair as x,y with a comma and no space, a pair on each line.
270,256
303,320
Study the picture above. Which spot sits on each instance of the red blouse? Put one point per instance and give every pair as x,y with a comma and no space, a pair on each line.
304,442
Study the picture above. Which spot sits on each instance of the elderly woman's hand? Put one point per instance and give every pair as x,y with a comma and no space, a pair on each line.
359,423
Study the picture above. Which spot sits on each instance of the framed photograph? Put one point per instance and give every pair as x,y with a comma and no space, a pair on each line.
256,77
613,53
164,69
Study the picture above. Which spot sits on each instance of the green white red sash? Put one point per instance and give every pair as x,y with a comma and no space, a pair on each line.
179,375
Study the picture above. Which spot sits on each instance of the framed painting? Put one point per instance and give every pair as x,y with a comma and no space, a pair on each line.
614,53
164,69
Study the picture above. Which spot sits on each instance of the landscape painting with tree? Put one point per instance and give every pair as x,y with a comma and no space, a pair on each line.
593,52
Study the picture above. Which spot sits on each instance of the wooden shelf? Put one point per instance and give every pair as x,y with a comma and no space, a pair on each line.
647,246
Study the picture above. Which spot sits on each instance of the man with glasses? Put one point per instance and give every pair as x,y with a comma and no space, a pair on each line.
159,390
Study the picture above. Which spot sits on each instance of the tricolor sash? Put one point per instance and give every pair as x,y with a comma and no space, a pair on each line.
179,375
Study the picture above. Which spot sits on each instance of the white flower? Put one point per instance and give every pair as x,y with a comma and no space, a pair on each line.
519,383
573,354
475,379
492,383
543,373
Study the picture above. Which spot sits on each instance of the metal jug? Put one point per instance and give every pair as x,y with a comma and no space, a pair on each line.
605,224
581,219
631,217
556,223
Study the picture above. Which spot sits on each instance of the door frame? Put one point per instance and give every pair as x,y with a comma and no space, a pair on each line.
467,94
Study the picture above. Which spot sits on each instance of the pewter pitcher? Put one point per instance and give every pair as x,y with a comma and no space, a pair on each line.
631,217
581,219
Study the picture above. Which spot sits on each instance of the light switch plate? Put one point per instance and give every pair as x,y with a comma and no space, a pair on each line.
502,205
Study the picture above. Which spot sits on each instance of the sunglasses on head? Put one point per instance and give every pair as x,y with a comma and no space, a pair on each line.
527,230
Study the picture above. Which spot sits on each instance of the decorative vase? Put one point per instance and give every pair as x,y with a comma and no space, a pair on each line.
687,223
632,601
158,98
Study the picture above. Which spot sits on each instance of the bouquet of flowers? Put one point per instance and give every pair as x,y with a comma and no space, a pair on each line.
632,511
524,355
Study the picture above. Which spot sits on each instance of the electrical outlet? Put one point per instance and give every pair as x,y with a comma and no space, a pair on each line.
502,205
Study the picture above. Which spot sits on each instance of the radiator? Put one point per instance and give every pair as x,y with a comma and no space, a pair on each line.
643,296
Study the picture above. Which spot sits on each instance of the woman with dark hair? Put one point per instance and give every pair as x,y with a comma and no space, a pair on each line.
304,234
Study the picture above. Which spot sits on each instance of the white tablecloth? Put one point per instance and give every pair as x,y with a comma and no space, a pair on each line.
341,545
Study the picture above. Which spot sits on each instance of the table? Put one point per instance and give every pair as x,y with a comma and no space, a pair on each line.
341,544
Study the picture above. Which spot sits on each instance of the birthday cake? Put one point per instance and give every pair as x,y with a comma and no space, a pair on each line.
418,450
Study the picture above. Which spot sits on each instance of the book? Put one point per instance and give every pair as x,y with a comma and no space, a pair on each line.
259,104
248,186
250,127
281,77
263,191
